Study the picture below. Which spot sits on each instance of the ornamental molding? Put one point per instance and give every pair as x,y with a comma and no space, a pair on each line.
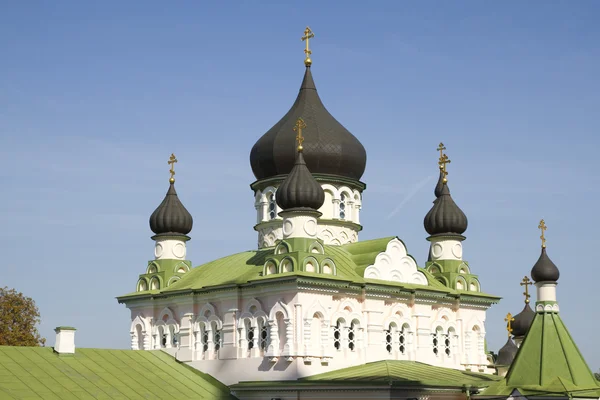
394,264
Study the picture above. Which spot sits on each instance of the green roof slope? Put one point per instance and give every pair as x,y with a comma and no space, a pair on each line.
351,260
394,372
549,363
40,373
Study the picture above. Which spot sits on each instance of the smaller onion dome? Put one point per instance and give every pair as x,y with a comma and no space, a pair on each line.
544,269
300,190
445,217
171,217
507,353
523,321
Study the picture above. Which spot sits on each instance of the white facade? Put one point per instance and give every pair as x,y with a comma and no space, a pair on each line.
281,329
339,224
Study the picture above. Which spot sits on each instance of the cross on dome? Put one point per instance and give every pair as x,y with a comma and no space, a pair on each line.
171,162
526,282
509,319
542,226
308,34
300,124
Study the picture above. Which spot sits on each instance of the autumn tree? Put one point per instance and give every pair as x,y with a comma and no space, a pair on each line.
18,319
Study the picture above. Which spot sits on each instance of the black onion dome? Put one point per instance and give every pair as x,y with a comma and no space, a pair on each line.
300,190
507,353
445,217
439,186
171,217
544,269
329,148
523,321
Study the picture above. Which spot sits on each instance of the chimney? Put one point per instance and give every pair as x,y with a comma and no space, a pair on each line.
65,340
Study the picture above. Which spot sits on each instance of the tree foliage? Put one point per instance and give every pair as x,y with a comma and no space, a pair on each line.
18,319
597,375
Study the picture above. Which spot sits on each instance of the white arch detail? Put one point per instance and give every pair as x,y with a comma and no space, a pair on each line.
394,264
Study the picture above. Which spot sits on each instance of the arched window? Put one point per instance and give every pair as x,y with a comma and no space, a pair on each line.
343,206
216,332
448,341
272,206
402,336
337,335
438,340
389,336
264,335
140,337
352,336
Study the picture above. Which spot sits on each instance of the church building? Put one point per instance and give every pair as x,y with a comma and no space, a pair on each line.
313,312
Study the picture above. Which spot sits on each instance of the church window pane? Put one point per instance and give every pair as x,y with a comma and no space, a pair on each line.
250,337
388,340
272,206
402,340
337,337
264,336
204,340
351,337
342,206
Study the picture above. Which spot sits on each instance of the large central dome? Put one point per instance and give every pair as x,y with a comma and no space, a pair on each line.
329,148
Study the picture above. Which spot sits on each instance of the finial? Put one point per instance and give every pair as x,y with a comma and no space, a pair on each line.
509,319
300,124
443,161
308,34
542,226
172,161
526,282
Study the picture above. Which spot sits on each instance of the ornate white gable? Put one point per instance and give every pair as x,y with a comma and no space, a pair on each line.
394,264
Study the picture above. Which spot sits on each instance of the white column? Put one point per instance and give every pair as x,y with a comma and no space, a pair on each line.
297,224
444,248
169,248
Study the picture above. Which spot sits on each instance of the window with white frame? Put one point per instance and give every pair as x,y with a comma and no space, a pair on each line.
402,333
250,337
272,206
448,342
438,341
337,335
343,206
352,336
264,335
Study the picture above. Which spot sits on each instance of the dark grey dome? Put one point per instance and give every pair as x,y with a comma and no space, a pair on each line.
544,269
507,353
171,217
445,217
300,190
329,148
523,321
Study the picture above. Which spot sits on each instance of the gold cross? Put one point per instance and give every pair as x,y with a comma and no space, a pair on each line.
308,34
298,128
543,227
441,149
509,319
171,162
526,282
443,161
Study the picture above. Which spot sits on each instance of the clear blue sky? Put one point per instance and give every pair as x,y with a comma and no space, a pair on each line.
94,97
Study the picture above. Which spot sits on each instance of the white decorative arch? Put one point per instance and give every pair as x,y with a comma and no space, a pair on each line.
331,189
140,320
399,308
258,196
316,307
207,307
475,321
348,303
280,306
168,312
347,191
394,264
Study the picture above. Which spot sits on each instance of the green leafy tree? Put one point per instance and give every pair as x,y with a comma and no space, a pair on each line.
18,319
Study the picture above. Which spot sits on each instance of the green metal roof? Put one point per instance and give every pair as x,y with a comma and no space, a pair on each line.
351,260
40,373
548,363
392,372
